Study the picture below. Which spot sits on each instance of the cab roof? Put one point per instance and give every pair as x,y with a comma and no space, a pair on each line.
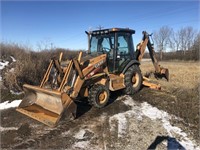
111,30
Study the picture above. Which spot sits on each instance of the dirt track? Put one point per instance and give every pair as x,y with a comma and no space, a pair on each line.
120,125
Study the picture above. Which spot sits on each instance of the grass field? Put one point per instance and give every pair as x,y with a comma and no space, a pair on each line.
179,96
184,75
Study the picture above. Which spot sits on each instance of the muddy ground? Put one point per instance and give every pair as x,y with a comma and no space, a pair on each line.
120,125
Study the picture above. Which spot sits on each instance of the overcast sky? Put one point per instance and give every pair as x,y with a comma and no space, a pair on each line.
63,23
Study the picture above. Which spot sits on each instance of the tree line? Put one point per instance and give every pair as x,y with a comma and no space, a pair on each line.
183,43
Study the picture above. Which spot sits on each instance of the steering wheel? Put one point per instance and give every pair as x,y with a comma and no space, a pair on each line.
106,49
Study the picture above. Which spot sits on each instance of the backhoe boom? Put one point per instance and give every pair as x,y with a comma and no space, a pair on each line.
141,47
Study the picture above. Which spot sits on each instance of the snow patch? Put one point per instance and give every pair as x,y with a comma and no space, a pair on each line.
3,64
153,112
12,70
129,101
66,133
135,109
7,128
16,93
7,105
80,135
122,123
81,144
13,59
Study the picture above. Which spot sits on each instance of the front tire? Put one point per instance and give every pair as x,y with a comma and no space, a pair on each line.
98,95
133,80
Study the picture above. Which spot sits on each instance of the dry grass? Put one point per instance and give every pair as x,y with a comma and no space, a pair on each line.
185,75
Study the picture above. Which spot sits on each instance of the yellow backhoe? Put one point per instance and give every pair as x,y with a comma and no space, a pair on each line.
111,64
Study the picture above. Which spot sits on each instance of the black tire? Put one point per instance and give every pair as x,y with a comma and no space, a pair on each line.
133,80
98,95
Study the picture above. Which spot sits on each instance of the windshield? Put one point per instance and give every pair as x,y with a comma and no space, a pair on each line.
101,43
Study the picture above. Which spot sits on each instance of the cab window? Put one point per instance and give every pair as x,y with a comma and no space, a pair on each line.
123,48
93,44
102,43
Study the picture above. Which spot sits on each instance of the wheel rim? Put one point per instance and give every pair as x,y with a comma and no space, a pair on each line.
102,97
135,80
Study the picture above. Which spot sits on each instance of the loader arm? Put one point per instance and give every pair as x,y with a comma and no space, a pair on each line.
141,47
90,70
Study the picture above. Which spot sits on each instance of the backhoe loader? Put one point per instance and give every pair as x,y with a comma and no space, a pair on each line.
111,64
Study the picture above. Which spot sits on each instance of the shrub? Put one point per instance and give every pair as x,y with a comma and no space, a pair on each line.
30,65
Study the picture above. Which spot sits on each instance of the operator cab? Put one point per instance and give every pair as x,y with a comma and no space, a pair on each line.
117,43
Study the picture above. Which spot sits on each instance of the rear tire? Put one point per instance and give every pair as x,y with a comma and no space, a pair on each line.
98,95
133,80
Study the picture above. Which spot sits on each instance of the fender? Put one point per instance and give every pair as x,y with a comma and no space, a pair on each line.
132,62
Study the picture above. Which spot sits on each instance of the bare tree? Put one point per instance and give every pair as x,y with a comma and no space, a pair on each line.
196,47
44,44
162,39
187,36
175,40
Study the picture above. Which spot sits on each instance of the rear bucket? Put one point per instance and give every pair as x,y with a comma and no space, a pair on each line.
46,105
165,73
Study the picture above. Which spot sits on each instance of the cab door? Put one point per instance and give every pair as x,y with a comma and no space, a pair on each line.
124,51
107,45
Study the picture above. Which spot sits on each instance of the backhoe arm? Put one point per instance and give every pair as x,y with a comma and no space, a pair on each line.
141,47
152,54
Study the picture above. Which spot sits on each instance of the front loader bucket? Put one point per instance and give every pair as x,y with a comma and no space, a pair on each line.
45,105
